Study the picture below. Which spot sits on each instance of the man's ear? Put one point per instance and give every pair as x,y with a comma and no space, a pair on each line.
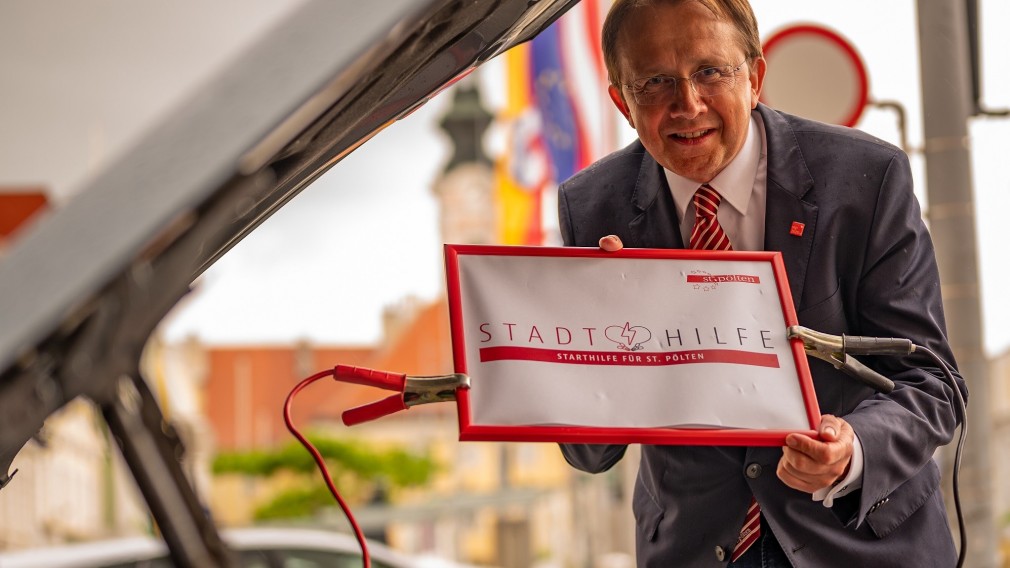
757,79
620,103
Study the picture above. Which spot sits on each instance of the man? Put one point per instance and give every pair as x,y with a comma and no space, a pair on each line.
839,205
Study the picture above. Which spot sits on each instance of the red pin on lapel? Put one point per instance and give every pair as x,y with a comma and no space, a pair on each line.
796,229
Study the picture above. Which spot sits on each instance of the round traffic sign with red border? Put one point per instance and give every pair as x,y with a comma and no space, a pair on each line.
816,73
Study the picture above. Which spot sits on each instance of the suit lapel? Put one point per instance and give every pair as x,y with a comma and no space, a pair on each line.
656,224
788,182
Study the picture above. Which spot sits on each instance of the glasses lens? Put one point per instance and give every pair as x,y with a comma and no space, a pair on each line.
714,80
653,90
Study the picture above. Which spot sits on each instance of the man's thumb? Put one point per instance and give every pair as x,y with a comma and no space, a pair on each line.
829,428
611,243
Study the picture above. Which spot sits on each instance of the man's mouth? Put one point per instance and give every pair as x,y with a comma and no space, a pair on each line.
690,135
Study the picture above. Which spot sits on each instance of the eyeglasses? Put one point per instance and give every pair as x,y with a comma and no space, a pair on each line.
662,89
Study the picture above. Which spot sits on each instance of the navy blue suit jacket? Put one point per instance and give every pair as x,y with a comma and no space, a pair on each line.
864,265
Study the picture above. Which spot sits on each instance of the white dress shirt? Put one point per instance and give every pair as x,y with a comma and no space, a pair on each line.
743,185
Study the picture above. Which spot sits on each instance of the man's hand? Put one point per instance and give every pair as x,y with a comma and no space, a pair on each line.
808,464
611,243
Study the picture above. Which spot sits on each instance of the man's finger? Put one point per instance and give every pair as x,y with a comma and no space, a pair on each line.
798,472
802,465
797,481
821,452
611,243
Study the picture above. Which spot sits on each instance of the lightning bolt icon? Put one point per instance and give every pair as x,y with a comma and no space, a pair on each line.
628,333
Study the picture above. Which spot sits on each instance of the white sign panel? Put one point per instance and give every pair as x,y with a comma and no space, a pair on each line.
642,345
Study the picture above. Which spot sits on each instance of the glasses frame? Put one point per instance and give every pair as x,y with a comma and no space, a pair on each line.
734,70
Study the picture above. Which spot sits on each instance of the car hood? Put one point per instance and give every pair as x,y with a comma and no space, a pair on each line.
81,293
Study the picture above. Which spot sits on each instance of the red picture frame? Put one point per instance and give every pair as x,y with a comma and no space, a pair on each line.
464,341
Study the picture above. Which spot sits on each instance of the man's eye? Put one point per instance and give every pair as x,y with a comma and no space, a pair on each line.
652,83
709,73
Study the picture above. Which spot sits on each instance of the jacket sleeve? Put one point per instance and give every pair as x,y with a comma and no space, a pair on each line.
592,458
898,295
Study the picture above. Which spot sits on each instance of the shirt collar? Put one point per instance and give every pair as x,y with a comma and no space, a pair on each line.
735,183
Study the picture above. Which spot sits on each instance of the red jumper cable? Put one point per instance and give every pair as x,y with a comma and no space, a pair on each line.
410,391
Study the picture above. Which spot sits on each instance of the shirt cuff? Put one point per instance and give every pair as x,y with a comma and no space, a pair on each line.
851,482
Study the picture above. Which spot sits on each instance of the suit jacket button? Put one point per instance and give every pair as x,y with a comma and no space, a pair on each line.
753,470
720,553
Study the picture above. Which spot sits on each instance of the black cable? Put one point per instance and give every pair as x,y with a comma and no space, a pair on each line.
949,374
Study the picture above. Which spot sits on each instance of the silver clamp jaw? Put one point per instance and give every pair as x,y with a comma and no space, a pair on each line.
837,350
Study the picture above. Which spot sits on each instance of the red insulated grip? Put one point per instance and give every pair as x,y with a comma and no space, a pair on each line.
369,377
388,405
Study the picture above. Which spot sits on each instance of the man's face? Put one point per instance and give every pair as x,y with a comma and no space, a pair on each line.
691,135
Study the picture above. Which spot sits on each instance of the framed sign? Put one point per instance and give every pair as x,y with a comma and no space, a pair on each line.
638,346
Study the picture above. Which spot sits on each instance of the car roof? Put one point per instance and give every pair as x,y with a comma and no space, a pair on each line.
114,551
84,554
276,538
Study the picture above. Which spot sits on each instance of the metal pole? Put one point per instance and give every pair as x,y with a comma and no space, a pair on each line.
947,105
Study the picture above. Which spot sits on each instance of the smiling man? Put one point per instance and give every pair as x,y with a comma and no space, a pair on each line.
715,169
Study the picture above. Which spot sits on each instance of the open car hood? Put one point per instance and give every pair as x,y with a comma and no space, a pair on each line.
82,292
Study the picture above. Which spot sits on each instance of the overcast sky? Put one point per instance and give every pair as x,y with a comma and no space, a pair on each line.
80,80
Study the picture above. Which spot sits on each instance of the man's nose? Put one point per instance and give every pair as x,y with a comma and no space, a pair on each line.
685,102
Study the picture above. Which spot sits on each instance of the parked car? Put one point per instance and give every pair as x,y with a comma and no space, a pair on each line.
256,548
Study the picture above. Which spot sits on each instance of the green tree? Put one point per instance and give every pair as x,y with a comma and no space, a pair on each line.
355,467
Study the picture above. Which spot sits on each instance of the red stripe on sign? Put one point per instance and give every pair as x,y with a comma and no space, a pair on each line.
717,278
626,359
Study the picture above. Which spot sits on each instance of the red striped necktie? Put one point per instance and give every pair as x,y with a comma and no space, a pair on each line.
708,234
749,532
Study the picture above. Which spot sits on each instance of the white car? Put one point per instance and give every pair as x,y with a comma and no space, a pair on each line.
256,548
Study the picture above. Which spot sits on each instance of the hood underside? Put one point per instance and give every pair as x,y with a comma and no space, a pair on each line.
81,294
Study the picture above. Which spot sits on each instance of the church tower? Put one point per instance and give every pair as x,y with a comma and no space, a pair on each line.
465,188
